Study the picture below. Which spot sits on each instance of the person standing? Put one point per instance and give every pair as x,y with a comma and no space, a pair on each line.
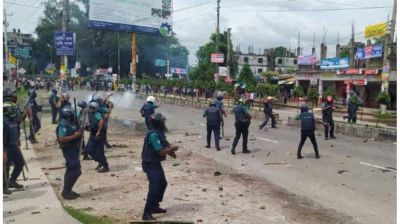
268,114
155,150
327,117
148,109
242,123
63,102
307,130
214,117
69,137
32,110
53,100
352,107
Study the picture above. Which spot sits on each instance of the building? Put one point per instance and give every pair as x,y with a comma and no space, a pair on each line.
285,64
258,62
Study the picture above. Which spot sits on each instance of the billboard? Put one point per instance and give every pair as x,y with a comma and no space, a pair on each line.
137,16
217,58
375,30
179,71
373,51
64,43
307,60
334,63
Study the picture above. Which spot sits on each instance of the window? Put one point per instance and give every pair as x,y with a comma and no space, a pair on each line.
260,70
260,60
246,60
295,61
279,61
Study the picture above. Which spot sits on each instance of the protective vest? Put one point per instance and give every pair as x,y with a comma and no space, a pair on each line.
219,105
52,99
213,115
11,133
34,106
307,121
148,110
240,115
70,129
148,153
328,112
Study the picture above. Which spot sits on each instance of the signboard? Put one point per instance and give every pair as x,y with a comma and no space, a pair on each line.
160,62
371,71
314,81
334,63
64,43
22,52
222,71
307,60
357,82
217,58
22,71
139,16
373,51
77,65
12,60
179,71
375,30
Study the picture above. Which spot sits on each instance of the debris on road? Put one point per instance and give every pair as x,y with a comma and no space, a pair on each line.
217,173
342,171
220,188
268,154
262,207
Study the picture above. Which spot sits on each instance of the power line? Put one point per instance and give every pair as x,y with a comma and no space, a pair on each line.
315,10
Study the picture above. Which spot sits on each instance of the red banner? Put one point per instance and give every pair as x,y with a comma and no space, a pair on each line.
371,71
353,71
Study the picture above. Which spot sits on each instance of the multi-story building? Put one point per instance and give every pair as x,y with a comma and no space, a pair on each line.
285,64
258,62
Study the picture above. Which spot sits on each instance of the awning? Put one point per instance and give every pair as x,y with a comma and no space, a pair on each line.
289,81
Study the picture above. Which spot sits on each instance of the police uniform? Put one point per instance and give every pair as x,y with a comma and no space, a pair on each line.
62,105
352,107
307,131
242,123
53,103
214,117
327,118
268,114
35,122
147,110
154,142
11,141
70,152
95,146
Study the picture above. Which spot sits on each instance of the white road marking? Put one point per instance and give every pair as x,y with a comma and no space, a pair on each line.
268,140
379,167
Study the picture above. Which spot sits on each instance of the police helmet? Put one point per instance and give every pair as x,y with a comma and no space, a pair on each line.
98,99
212,102
93,106
220,98
9,109
151,99
54,91
67,113
65,96
82,104
158,120
304,108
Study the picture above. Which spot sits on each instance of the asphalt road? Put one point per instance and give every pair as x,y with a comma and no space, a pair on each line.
353,177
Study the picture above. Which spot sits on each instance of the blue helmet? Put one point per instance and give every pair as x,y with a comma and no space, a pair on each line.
82,104
304,108
67,113
54,91
93,106
98,99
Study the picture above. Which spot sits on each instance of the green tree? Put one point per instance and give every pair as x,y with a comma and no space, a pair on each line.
246,75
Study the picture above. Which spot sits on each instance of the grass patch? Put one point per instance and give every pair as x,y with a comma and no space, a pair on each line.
388,115
88,219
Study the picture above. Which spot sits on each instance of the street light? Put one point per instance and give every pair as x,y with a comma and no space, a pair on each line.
51,56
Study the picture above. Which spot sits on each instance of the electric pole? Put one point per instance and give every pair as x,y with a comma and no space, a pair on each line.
389,37
119,65
217,37
65,21
228,57
5,23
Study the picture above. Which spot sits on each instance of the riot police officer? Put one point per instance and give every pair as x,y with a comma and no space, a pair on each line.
155,150
95,146
214,117
82,120
68,137
307,130
242,123
148,109
63,102
327,117
53,100
11,143
32,110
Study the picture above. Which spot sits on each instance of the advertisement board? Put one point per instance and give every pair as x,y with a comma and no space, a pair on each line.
334,63
138,16
375,30
217,58
64,43
179,71
373,51
307,60
160,62
223,71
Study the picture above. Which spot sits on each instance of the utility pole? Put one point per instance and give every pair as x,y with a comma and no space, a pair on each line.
217,37
5,23
389,37
119,65
65,21
351,52
298,44
228,57
313,44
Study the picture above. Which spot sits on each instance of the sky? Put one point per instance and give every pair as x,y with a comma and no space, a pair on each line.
258,23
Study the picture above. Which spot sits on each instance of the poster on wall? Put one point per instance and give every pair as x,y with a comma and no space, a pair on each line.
334,63
307,60
139,16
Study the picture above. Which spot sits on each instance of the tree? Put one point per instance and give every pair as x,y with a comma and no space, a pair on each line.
246,76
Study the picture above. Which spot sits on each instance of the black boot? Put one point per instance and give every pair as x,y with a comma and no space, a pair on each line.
148,217
68,196
14,184
98,167
159,210
299,156
246,151
103,170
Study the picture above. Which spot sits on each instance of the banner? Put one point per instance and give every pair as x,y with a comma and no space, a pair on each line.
334,63
12,60
373,51
179,71
222,71
307,60
375,30
64,43
217,58
160,62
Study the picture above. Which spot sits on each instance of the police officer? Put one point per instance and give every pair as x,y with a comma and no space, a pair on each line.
155,150
53,100
327,117
63,102
307,130
69,136
268,113
242,123
11,143
82,113
95,146
352,107
148,109
214,117
32,110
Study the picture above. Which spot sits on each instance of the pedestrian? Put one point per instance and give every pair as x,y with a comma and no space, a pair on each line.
148,109
32,110
155,150
268,113
242,123
307,130
352,107
95,146
69,138
53,100
11,144
214,117
285,96
63,102
327,117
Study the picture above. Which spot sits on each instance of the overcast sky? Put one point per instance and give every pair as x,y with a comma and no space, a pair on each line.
261,23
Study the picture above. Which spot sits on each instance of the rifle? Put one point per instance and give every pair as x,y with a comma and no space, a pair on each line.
30,120
84,114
